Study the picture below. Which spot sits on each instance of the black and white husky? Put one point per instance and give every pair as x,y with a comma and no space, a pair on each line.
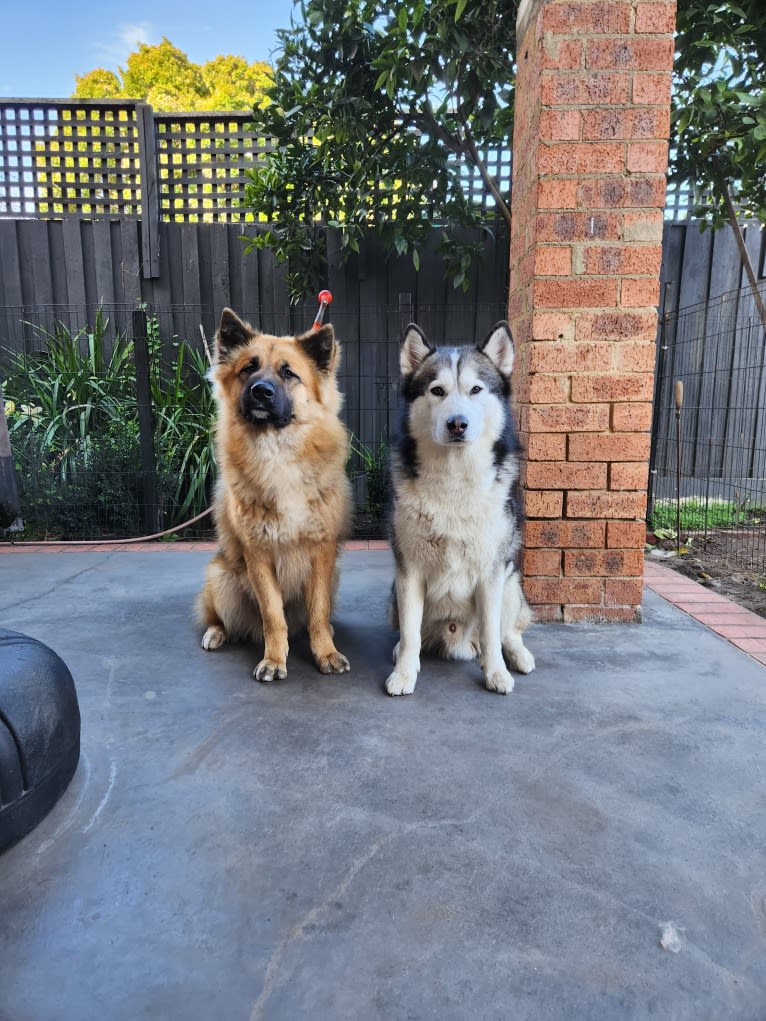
456,512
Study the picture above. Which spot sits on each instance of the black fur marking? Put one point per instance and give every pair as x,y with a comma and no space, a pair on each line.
319,345
232,333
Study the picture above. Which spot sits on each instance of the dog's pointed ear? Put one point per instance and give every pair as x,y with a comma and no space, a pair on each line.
414,350
232,332
498,347
321,347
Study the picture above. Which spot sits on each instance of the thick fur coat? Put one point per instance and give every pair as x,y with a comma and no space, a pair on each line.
282,504
456,519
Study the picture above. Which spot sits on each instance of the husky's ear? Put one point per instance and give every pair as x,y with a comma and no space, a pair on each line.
498,347
414,350
232,332
320,346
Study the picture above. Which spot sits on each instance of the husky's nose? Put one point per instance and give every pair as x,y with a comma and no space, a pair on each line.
263,391
457,425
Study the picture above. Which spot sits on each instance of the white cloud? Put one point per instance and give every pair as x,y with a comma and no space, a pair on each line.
114,52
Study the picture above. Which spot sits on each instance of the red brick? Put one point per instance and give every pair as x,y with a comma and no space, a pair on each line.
559,125
562,357
625,534
603,563
633,475
652,89
585,158
543,389
643,226
655,17
560,54
548,614
647,157
641,293
629,54
547,447
647,193
623,122
543,504
548,326
631,417
553,193
585,89
565,534
604,17
616,325
600,193
570,418
602,614
624,387
635,357
609,447
580,293
623,591
563,591
541,563
623,259
553,260
605,505
542,475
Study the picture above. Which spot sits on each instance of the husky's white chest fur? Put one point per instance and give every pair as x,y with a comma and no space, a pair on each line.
456,529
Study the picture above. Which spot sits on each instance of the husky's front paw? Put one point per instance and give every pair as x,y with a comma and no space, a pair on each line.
214,638
401,683
519,658
335,663
500,681
269,670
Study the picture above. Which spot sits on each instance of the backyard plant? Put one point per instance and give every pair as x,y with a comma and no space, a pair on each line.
73,422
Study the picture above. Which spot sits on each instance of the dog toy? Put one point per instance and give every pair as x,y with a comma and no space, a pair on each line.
325,299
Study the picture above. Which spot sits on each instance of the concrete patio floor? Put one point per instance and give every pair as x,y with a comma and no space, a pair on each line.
315,849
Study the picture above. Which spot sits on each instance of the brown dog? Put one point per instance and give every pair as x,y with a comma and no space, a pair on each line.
282,503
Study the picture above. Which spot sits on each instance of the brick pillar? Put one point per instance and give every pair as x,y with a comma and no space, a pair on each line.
589,159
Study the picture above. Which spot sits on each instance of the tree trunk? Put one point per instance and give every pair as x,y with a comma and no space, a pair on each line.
745,255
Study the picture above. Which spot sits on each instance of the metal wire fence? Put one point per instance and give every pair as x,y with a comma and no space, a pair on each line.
709,436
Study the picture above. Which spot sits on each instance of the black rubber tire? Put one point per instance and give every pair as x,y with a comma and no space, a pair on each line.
39,733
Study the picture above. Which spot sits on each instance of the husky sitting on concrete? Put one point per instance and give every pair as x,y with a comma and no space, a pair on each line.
456,512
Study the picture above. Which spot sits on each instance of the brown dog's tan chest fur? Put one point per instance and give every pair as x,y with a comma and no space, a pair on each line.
282,502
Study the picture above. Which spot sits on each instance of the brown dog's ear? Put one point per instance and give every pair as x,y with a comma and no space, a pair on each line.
498,347
414,350
232,332
320,346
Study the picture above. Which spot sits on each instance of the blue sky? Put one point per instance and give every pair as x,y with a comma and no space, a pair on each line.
43,44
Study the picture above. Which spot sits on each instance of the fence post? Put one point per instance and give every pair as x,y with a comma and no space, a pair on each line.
659,376
148,473
10,509
150,192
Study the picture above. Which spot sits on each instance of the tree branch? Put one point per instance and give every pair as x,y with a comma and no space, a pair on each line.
745,255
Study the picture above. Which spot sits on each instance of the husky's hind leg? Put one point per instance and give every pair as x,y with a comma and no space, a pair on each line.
516,618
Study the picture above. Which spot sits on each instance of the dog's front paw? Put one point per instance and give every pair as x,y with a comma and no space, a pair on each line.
269,670
500,681
519,658
334,663
214,638
401,683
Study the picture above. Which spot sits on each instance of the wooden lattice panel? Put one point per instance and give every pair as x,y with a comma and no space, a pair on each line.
202,160
68,159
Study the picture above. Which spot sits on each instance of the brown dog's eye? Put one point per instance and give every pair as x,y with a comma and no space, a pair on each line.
251,367
287,373
476,389
437,391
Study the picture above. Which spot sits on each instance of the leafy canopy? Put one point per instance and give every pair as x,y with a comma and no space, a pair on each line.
718,138
373,106
164,76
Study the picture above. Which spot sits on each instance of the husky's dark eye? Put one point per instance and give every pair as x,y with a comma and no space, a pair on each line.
476,389
437,391
287,373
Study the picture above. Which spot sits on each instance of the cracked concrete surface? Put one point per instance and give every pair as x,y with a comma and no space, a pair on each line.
315,849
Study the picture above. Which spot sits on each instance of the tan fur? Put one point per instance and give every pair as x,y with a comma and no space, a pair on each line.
282,505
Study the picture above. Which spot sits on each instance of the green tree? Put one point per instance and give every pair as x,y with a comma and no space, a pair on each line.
373,107
164,76
718,135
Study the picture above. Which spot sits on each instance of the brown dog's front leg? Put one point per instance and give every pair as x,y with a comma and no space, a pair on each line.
263,580
318,591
